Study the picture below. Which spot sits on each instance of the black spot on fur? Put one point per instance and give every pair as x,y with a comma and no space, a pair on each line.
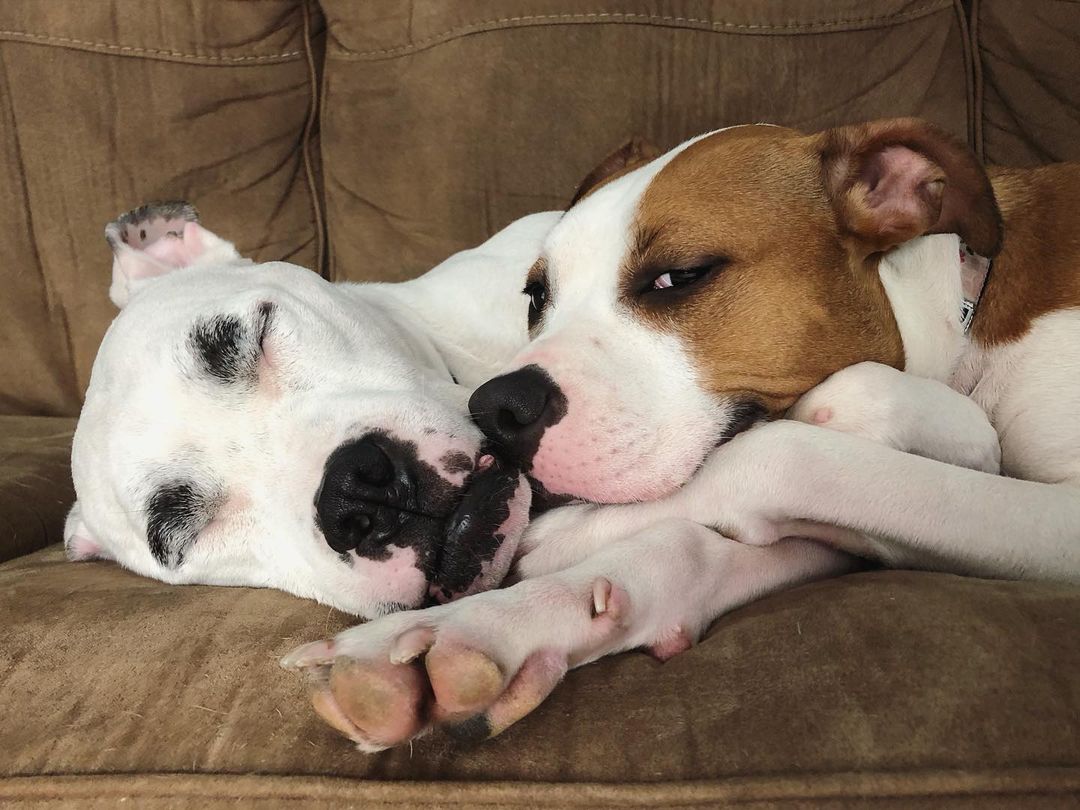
456,462
116,232
227,349
263,318
175,513
474,730
223,350
542,500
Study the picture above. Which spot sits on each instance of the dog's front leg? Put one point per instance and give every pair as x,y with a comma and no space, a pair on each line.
789,479
870,400
480,664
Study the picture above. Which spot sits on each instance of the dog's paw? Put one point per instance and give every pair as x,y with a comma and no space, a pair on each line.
909,413
865,400
473,667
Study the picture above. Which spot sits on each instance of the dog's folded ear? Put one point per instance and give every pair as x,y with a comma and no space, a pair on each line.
155,239
896,179
79,543
635,152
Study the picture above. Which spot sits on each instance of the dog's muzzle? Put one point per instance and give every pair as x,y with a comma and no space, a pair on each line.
368,494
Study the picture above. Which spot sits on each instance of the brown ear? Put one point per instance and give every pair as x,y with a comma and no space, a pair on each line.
899,178
635,152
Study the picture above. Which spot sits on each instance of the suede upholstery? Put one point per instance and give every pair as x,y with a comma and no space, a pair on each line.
106,105
502,106
368,139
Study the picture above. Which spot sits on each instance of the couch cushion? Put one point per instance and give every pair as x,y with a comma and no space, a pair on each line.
107,105
1029,55
35,482
442,122
877,683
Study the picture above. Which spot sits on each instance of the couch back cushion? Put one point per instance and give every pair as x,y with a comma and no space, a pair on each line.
443,121
107,105
1029,55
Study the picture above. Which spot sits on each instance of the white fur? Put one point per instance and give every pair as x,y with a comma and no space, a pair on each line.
628,438
340,361
922,280
894,466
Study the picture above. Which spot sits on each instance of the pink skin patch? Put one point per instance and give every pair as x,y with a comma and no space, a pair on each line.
671,645
599,463
822,415
177,249
269,385
901,185
397,579
83,547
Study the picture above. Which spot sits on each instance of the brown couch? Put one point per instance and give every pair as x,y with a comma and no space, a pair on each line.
368,139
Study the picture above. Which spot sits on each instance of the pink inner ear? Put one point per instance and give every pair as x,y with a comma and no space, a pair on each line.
82,547
903,192
177,250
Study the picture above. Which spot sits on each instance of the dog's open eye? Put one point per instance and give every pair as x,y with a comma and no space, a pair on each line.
537,292
682,277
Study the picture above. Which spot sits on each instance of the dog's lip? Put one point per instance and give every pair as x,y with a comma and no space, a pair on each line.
489,472
487,488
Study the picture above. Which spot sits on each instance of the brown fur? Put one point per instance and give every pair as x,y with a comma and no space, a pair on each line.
794,303
958,200
789,222
1038,269
635,152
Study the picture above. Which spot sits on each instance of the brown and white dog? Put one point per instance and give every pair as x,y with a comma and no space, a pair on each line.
748,274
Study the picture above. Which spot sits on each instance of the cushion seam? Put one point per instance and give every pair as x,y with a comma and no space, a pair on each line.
134,50
979,89
818,786
637,18
314,111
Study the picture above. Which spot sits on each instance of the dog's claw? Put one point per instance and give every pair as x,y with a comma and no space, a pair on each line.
411,645
601,590
317,653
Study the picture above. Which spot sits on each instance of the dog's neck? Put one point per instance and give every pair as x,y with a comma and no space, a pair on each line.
468,317
463,324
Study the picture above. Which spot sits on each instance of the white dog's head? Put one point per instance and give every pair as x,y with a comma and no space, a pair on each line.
684,298
253,424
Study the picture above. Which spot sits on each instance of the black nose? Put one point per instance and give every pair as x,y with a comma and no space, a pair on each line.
366,483
515,409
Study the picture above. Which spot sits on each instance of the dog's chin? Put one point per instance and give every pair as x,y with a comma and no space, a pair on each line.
482,533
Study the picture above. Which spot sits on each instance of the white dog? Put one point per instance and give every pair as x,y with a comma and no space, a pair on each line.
682,301
256,425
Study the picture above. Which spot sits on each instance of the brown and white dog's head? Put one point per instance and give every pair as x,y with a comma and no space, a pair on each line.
680,301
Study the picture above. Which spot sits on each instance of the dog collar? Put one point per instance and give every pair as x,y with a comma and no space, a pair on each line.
974,273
